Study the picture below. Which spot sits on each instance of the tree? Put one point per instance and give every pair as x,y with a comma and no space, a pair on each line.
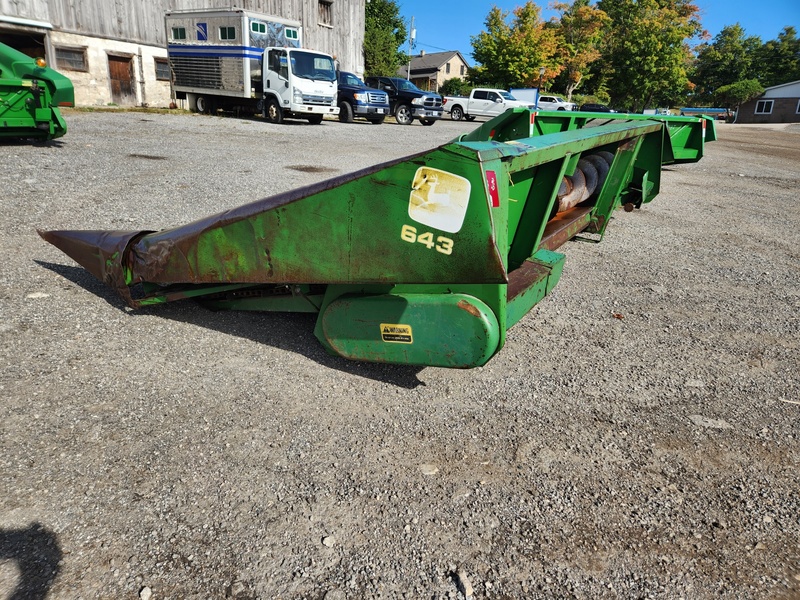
510,54
580,29
455,86
726,60
645,50
384,34
778,61
733,95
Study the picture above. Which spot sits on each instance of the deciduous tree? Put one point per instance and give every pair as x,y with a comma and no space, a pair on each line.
510,53
645,50
580,28
725,60
384,34
778,61
735,94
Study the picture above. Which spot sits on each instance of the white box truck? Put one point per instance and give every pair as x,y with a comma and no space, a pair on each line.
234,59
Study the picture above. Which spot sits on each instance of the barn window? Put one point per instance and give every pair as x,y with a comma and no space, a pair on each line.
447,68
764,107
179,33
258,27
227,33
73,59
326,12
291,33
461,70
162,69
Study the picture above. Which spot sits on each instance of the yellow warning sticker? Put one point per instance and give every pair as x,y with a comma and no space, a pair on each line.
396,334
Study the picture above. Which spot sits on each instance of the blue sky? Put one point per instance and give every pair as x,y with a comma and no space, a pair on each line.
448,24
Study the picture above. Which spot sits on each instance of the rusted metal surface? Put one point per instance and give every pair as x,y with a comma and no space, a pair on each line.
565,226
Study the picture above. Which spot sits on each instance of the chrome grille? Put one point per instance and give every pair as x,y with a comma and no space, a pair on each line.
433,102
318,100
377,98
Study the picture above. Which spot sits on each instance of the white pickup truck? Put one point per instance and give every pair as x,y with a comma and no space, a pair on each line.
482,102
546,101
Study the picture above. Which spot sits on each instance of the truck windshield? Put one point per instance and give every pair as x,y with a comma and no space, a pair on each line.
404,84
350,79
507,96
310,65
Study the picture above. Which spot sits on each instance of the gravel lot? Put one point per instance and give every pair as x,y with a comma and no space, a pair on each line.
179,453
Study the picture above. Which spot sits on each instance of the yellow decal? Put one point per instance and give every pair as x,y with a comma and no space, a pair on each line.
439,199
408,233
397,334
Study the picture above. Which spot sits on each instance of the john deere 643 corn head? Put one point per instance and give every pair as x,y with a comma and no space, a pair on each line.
425,260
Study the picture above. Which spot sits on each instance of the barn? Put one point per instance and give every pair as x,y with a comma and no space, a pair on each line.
778,104
114,51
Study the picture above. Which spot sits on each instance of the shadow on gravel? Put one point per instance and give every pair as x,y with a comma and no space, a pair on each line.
31,142
293,332
36,552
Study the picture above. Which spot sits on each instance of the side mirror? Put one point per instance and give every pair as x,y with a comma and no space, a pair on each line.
498,100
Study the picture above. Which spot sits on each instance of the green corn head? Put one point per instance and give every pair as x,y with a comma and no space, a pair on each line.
30,96
425,260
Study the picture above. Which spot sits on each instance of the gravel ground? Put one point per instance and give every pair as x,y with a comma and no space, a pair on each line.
179,453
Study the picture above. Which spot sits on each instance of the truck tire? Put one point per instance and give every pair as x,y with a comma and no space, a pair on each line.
456,113
469,117
427,122
314,119
561,108
273,112
203,105
403,114
377,121
345,112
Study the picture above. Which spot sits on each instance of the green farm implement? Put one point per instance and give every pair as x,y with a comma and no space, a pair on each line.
30,97
425,260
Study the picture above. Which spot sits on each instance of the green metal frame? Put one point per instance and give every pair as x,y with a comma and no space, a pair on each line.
424,260
30,97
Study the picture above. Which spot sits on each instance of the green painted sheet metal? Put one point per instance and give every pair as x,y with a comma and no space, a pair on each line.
444,330
424,260
30,96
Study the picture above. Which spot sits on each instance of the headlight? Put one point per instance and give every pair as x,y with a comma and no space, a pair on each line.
360,97
297,95
418,101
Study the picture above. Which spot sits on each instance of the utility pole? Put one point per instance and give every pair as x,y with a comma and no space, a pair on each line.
412,34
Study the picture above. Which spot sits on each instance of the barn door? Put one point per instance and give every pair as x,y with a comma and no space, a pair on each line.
120,74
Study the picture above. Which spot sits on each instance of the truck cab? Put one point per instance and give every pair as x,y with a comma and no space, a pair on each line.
298,83
408,102
356,99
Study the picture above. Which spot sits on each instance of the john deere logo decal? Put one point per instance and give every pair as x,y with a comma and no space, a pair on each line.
439,199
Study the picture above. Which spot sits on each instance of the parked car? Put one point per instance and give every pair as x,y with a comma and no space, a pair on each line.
407,101
481,102
596,108
356,99
549,102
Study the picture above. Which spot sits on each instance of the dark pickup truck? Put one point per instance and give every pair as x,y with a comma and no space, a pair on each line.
356,99
408,101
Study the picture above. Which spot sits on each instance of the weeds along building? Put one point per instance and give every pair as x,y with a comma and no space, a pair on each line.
114,51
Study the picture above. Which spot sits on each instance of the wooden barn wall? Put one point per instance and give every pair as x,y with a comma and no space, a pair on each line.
142,21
